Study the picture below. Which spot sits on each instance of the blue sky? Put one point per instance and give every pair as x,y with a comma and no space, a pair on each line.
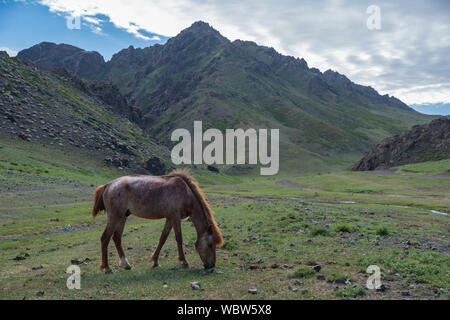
23,25
433,108
408,56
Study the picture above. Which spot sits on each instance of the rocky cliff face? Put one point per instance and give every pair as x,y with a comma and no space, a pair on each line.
106,92
421,143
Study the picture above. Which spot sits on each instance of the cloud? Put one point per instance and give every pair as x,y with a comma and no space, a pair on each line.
10,52
92,20
408,57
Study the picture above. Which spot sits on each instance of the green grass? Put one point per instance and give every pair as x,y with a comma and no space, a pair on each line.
416,191
303,272
339,277
344,227
382,231
319,231
265,223
429,167
351,292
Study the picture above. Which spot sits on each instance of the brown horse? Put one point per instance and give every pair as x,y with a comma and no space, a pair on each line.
173,197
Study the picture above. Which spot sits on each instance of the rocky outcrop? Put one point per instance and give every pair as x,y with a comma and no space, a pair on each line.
421,143
155,166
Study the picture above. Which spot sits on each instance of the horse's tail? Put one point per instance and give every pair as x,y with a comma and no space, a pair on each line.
198,193
99,205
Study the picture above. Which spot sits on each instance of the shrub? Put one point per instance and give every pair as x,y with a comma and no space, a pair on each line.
382,231
351,292
319,231
304,272
230,245
343,227
338,278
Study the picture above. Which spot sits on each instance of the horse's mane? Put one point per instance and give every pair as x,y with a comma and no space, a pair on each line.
193,185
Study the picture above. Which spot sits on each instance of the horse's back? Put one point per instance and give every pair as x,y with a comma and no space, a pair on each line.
151,197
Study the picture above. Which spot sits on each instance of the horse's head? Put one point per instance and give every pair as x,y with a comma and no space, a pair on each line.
206,248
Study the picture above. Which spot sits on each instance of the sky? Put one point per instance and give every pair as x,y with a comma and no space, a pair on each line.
399,47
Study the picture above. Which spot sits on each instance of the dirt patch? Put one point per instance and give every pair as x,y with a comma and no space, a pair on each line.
83,226
290,184
393,172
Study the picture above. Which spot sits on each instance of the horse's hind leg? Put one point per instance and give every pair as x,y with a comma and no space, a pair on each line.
106,237
162,240
179,239
117,237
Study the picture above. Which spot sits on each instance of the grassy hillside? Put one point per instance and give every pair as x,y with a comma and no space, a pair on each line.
46,108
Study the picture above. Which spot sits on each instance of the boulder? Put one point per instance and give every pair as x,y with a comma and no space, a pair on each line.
155,166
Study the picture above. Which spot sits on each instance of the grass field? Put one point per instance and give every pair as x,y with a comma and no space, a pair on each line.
276,231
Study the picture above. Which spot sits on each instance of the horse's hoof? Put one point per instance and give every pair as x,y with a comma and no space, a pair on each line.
108,271
155,265
127,267
124,264
185,265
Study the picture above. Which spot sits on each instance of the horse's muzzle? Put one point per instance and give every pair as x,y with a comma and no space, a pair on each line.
209,267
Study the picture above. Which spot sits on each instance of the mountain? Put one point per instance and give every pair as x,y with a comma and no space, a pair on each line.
422,143
324,118
49,55
56,108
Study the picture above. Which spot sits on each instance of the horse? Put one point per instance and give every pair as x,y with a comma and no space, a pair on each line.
174,197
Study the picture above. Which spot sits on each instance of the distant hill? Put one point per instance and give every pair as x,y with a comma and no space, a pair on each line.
49,55
59,109
324,118
422,143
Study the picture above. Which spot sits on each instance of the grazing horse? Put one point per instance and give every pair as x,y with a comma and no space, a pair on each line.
173,197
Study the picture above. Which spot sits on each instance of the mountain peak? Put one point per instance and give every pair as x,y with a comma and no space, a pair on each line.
201,28
200,36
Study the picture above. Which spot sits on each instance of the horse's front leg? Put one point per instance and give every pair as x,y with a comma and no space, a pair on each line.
162,240
179,239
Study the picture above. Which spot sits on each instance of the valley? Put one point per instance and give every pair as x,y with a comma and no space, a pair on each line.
276,230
